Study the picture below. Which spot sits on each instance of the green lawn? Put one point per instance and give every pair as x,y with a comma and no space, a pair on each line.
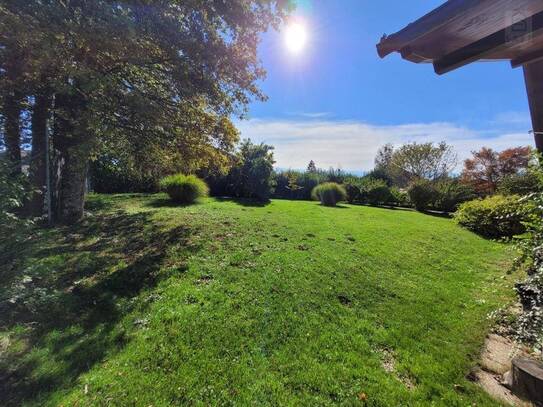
225,303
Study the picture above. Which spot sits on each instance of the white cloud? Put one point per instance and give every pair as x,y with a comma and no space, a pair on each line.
352,145
514,119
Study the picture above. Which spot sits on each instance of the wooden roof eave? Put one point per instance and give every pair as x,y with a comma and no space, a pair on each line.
462,31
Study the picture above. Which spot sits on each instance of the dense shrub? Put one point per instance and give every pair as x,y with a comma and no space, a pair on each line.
422,194
14,193
530,323
109,175
519,184
184,189
251,175
329,193
495,217
353,191
294,184
375,191
399,197
451,193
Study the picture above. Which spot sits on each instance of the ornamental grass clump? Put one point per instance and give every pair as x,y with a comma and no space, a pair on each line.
329,193
184,189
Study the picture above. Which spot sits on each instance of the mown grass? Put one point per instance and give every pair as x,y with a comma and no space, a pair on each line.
230,303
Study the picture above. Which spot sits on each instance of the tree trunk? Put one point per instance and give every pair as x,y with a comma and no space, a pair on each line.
39,142
73,143
71,197
12,127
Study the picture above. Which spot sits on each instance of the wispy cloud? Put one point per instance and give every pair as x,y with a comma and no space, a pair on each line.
514,118
352,145
311,115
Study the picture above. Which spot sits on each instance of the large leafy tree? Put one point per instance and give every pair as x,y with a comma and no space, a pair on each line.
487,168
146,73
418,161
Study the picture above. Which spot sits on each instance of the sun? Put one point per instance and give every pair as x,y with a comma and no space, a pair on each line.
295,37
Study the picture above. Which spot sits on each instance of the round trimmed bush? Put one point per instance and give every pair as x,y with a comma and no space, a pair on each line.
329,193
184,189
495,217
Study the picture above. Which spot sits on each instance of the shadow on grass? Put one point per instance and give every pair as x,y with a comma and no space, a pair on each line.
167,203
438,214
245,202
337,206
70,298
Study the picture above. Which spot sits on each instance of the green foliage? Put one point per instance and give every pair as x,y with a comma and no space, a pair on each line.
494,217
305,180
374,191
426,161
422,194
530,323
159,79
14,192
520,184
184,189
252,174
451,193
352,187
329,193
110,175
400,197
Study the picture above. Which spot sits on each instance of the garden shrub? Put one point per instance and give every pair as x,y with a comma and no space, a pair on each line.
422,194
399,197
305,182
329,193
14,193
252,174
494,217
184,189
373,191
451,193
530,323
111,175
519,184
379,194
352,188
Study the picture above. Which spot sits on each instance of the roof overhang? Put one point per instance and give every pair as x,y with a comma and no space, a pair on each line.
464,31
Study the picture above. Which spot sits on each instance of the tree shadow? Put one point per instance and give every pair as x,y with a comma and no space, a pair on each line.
337,206
437,214
74,293
167,203
245,201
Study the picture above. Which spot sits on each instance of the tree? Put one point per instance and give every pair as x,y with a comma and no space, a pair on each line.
12,104
311,167
252,175
384,157
129,71
487,168
424,161
422,193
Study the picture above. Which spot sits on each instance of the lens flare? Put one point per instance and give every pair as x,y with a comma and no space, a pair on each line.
295,37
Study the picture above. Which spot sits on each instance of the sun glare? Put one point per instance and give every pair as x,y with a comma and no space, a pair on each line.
295,37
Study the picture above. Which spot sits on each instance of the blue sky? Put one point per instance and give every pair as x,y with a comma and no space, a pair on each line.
336,101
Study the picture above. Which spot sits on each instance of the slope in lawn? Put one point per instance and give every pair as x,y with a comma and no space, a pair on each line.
290,303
